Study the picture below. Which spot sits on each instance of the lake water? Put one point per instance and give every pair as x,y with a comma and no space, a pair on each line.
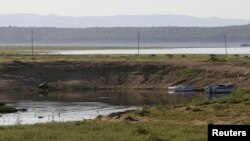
63,107
212,50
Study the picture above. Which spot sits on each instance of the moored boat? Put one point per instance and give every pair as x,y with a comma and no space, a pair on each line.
226,88
182,88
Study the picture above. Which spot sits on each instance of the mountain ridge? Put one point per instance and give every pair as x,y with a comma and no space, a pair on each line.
34,20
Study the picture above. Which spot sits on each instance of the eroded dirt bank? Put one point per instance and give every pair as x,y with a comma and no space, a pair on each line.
73,75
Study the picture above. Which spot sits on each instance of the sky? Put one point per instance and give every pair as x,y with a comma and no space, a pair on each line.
198,8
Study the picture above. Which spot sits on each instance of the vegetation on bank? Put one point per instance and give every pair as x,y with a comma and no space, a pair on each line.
4,109
102,131
23,54
81,72
160,123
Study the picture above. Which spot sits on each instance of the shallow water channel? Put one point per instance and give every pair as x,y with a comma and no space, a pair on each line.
176,50
79,106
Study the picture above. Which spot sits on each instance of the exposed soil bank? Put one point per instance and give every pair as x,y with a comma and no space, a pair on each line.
73,75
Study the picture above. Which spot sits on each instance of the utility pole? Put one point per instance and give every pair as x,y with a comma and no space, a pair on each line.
32,42
139,38
225,38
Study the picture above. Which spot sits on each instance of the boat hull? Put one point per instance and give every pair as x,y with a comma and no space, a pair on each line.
220,89
182,89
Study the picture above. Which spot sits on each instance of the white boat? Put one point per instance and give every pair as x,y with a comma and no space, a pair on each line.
181,88
182,92
227,88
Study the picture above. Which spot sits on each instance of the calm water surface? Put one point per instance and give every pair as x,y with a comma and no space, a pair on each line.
212,50
62,107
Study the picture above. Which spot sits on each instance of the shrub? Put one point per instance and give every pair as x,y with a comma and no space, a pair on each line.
7,109
213,58
170,56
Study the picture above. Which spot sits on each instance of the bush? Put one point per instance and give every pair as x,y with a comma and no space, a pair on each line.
247,57
213,58
7,109
170,56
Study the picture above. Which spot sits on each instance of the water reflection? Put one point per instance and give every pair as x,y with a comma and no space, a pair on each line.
49,107
183,93
212,96
177,50
207,95
115,98
42,112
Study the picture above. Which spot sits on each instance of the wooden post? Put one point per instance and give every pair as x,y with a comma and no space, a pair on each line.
32,42
139,43
225,38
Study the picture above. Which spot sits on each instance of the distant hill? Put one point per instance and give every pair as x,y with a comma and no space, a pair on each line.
126,36
31,20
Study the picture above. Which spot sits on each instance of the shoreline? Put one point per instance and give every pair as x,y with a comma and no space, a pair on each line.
159,122
155,122
25,73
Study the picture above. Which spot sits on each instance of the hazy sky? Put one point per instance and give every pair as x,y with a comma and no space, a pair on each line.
198,8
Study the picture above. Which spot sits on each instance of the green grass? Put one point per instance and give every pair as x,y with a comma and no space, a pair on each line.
23,53
53,58
102,131
164,123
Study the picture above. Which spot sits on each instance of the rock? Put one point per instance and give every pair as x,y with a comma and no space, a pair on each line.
43,85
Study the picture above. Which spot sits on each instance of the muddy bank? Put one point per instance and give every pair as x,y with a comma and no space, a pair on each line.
73,76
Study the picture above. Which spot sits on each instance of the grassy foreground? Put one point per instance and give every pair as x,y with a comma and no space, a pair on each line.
102,131
179,123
